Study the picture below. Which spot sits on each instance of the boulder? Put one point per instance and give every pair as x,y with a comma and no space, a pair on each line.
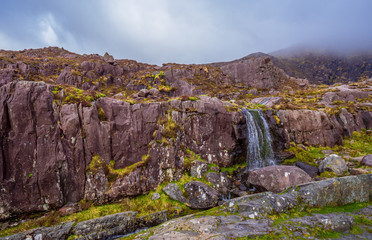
174,192
155,196
333,163
277,178
337,191
69,209
108,58
311,170
103,227
200,195
220,181
367,160
198,169
59,232
358,171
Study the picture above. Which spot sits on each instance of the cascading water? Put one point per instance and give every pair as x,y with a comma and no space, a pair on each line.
259,149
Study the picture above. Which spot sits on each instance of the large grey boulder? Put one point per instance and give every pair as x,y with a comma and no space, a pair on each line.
174,192
200,195
337,191
103,227
277,178
333,163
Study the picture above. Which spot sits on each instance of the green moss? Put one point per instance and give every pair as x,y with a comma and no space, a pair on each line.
95,164
356,230
190,157
193,98
99,95
76,95
363,220
186,177
233,168
101,114
277,119
360,144
345,208
56,90
170,129
328,174
114,174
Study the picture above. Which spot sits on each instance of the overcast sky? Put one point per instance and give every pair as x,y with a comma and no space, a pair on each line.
187,31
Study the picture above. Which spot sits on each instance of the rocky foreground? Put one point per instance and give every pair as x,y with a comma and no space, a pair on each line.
287,215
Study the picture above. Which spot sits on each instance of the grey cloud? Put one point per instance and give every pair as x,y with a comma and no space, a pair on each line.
185,31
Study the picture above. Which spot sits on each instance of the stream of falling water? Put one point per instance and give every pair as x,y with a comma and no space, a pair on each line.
259,148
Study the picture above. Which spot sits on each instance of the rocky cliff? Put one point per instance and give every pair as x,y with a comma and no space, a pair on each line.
76,127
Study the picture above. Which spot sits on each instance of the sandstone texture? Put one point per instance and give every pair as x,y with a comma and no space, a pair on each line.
47,148
277,178
318,128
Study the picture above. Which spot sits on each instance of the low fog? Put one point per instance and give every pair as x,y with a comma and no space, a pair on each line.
186,31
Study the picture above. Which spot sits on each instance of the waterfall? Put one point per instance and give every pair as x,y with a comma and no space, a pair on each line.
259,148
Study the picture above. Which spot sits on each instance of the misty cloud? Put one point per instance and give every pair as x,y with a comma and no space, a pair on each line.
185,31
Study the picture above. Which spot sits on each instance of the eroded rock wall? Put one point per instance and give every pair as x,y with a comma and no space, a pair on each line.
46,147
320,129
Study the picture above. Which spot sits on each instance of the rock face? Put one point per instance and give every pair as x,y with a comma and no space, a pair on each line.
333,163
318,128
259,72
277,178
46,148
200,195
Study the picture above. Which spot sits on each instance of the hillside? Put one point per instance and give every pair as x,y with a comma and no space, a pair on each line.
85,136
